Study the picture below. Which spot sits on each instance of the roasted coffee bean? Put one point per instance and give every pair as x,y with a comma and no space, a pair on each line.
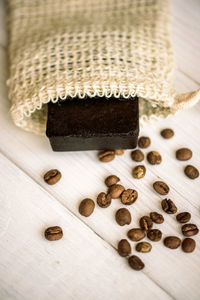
183,154
188,245
146,223
191,172
143,247
154,235
112,179
154,158
135,263
137,155
172,242
144,142
123,217
168,206
156,217
167,133
139,172
189,229
116,190
52,176
119,152
53,233
86,207
124,248
129,196
161,187
107,155
104,200
183,217
136,234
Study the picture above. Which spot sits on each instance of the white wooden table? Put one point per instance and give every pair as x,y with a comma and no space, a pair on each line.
85,264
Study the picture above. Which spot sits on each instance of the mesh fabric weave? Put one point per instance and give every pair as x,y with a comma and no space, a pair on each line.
88,48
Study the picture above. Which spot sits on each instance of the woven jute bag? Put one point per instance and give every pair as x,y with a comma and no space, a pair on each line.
86,48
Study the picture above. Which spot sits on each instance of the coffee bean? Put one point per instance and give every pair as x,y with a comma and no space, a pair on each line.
183,154
191,172
168,206
123,217
156,217
167,133
154,158
183,217
107,155
116,190
129,196
135,263
53,233
86,207
137,155
144,142
119,152
188,245
52,176
139,172
143,247
161,187
104,200
124,248
136,234
154,235
189,229
112,179
172,242
146,223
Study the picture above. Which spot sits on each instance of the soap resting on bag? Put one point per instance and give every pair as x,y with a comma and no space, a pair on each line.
93,124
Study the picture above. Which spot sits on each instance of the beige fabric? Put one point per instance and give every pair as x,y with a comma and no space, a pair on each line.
61,48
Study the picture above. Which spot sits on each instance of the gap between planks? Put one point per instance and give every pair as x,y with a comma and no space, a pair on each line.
150,171
188,76
30,185
49,192
81,221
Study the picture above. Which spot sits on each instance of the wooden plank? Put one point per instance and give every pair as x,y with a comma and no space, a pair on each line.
184,83
3,30
185,36
83,176
80,266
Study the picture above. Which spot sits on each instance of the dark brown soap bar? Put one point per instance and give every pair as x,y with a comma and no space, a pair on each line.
93,124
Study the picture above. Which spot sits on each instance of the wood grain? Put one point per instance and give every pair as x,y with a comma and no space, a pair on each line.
85,265
186,37
79,266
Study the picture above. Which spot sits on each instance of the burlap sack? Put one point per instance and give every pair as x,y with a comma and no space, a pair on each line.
61,48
